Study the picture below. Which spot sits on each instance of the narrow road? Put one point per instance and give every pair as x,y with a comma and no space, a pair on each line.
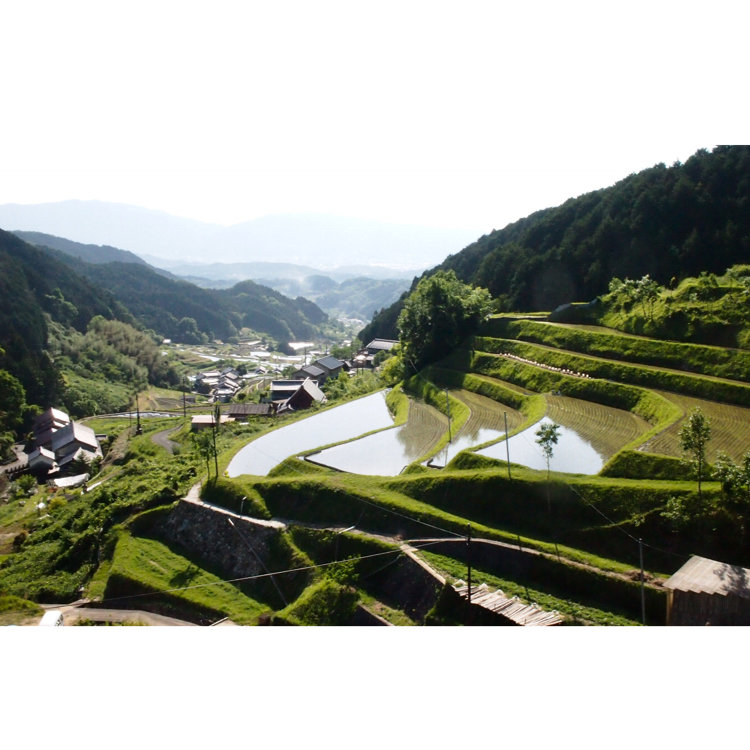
162,439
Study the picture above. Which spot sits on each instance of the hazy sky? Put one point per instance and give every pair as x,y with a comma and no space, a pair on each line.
465,115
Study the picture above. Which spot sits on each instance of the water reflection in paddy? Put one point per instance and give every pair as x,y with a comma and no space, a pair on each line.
462,442
381,454
386,453
572,454
343,422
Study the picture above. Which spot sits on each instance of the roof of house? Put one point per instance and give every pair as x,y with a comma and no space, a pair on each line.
699,575
209,419
245,409
52,414
74,431
313,371
312,388
382,344
330,363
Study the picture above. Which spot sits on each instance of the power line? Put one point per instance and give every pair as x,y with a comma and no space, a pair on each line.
265,575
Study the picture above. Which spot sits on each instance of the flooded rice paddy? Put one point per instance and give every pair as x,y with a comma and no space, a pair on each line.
343,422
572,454
386,453
589,435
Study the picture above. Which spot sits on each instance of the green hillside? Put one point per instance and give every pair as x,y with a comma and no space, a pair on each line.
649,375
667,222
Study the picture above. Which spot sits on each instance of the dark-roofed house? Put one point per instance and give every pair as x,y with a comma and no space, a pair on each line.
313,372
332,364
281,390
42,461
73,441
707,592
321,369
380,345
303,398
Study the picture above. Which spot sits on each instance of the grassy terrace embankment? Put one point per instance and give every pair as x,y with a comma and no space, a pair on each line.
717,361
645,376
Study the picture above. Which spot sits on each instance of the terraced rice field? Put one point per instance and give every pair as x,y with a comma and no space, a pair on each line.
425,427
487,414
730,428
607,429
387,452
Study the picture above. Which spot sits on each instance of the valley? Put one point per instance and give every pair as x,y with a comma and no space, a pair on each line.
570,446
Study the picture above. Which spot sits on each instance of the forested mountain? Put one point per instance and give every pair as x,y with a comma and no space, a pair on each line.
32,283
178,309
84,335
668,222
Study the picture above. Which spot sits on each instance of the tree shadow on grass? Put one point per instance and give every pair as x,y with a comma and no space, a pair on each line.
185,577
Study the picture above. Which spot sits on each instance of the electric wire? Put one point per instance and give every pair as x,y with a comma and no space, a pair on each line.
258,576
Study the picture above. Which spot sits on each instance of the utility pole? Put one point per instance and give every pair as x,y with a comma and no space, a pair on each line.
138,429
468,572
448,409
507,447
184,408
643,590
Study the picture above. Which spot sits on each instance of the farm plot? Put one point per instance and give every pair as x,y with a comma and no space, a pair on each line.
730,428
606,428
387,452
486,423
487,414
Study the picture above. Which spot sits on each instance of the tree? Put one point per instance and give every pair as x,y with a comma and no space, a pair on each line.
735,487
12,401
204,445
694,436
437,316
547,436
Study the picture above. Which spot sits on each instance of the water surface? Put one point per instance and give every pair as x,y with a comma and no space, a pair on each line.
572,454
343,422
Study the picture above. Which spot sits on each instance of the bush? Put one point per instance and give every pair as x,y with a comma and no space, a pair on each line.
323,603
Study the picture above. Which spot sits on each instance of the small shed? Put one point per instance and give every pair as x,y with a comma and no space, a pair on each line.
241,412
203,421
708,592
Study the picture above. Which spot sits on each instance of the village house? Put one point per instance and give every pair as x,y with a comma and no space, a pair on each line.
281,390
311,371
306,394
242,412
366,357
59,441
203,421
47,423
221,385
380,345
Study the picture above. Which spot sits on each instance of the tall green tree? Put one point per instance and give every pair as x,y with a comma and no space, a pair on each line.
694,436
547,436
735,487
440,313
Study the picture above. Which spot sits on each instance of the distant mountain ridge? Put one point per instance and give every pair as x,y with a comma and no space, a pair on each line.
351,297
88,253
305,239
